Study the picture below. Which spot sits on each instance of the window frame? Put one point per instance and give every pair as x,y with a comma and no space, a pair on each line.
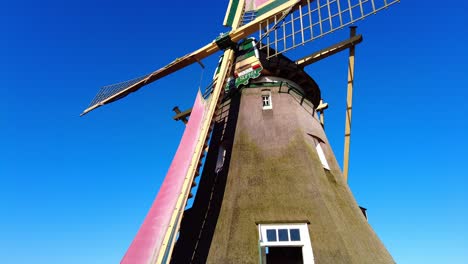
304,243
267,93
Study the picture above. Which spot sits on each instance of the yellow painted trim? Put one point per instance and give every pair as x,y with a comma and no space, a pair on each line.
247,62
226,16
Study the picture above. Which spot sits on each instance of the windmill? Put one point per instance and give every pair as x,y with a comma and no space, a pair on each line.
271,189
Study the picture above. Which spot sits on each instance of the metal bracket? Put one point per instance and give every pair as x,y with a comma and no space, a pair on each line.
224,42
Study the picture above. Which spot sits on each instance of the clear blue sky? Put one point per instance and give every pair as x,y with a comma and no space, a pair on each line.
75,190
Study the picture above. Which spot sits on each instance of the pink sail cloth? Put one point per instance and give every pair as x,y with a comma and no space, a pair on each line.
251,5
148,240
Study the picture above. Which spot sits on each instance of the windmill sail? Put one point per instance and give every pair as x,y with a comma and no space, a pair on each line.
282,25
149,239
273,8
312,20
109,90
250,11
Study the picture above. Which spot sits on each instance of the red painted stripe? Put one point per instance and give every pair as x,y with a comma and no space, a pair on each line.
256,66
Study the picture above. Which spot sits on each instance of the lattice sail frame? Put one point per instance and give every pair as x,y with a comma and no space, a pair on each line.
313,20
302,22
109,90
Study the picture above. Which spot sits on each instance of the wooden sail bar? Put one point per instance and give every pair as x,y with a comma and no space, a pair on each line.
235,35
327,52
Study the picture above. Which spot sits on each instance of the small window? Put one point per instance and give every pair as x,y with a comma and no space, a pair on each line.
285,243
266,100
271,235
283,235
295,234
221,158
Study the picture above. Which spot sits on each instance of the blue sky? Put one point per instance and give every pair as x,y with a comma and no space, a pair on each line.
75,190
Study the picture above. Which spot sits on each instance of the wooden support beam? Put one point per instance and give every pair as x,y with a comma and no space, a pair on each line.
321,109
326,52
182,116
349,106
